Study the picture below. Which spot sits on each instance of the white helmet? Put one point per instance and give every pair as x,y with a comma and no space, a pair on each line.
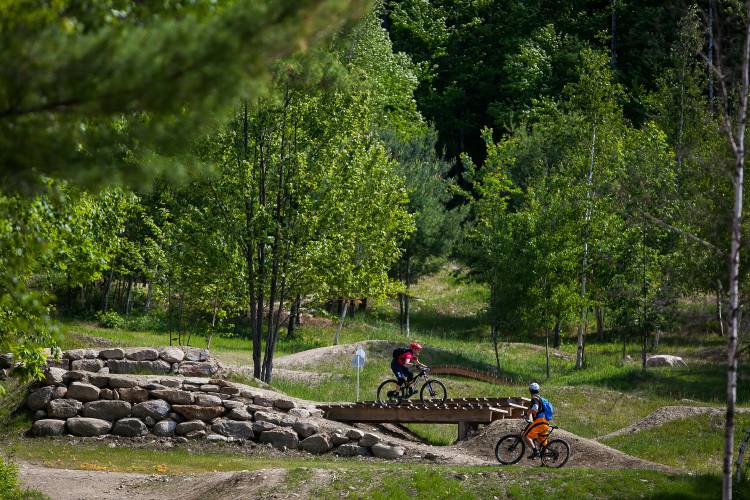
533,387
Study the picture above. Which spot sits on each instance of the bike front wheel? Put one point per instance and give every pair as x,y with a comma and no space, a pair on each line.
389,392
510,449
556,453
433,391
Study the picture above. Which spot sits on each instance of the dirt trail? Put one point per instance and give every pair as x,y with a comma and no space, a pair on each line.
67,484
666,414
584,452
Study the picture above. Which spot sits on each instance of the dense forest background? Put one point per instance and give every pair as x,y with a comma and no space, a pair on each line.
248,162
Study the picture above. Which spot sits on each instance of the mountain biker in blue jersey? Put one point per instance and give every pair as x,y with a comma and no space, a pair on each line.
538,419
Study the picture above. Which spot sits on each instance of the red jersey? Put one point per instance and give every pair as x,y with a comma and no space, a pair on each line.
408,355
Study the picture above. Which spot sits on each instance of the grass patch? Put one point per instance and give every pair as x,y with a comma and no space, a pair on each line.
695,443
474,483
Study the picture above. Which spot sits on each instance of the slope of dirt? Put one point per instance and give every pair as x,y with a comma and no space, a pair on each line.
315,356
666,414
584,452
66,484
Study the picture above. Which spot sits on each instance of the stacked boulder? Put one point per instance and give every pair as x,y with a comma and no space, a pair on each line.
95,404
190,362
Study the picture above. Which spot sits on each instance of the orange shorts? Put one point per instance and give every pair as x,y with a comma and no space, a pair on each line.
537,430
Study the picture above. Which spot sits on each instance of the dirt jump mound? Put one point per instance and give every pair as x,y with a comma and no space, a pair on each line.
583,452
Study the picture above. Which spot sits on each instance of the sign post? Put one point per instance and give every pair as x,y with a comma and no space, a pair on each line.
358,361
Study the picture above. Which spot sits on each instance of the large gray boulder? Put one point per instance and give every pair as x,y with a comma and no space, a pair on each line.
338,439
355,434
174,396
318,443
77,354
281,437
196,369
381,450
196,355
172,354
113,353
262,426
86,427
129,427
83,392
233,429
267,416
107,410
351,450
665,360
48,427
54,376
87,365
142,354
195,412
124,366
60,392
208,400
64,408
305,429
133,394
157,409
191,426
239,414
284,404
368,440
38,399
164,428
98,379
122,382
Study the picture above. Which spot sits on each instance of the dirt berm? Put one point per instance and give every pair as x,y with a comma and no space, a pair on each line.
584,452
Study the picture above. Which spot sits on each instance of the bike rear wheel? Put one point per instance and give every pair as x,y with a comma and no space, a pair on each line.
433,391
389,392
510,449
556,453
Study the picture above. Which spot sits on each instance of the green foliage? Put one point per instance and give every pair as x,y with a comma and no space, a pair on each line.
10,487
163,72
110,319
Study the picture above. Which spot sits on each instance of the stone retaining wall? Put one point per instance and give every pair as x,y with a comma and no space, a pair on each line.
93,404
188,361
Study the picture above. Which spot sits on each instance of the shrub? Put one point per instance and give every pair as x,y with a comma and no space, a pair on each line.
110,319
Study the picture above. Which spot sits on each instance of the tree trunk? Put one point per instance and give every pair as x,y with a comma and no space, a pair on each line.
599,313
147,304
363,305
293,317
719,300
406,296
612,43
494,343
556,335
129,300
107,288
710,52
584,308
341,323
737,142
401,322
546,348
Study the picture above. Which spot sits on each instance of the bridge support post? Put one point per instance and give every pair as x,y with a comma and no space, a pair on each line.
467,430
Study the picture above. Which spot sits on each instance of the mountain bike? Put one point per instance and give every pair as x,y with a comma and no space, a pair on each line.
432,391
511,448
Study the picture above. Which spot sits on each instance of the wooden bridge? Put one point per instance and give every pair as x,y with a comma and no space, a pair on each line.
468,413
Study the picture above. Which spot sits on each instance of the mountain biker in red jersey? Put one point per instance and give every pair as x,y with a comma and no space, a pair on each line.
402,359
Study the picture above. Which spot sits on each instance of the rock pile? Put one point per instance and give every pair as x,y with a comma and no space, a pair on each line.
187,361
94,404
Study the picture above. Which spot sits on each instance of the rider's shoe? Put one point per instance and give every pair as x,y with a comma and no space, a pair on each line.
412,391
534,455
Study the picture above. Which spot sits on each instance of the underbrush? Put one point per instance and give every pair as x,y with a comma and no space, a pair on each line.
10,487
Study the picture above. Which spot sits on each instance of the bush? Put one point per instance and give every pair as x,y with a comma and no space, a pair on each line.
10,488
110,319
147,323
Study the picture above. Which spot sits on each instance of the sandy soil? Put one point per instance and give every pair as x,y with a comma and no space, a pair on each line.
584,452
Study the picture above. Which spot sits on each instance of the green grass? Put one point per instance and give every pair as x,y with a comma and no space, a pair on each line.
695,443
475,483
365,479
